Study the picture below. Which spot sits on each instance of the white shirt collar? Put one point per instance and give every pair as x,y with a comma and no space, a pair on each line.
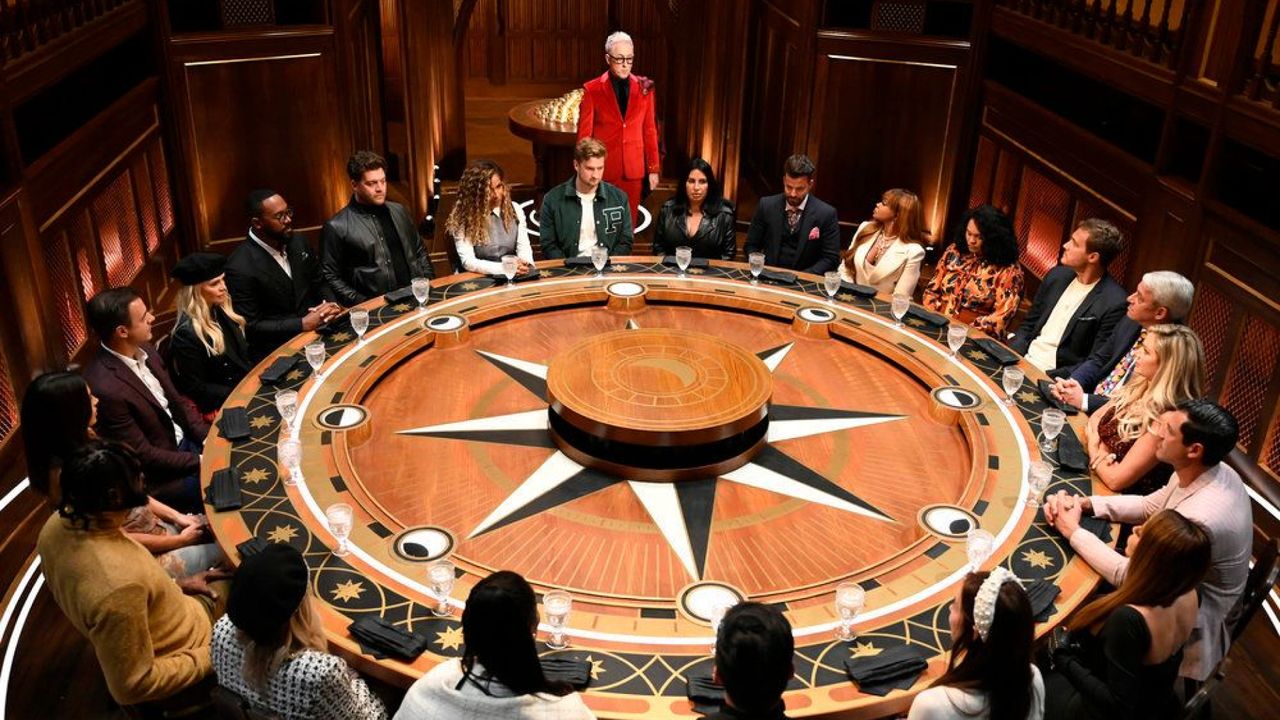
134,361
268,248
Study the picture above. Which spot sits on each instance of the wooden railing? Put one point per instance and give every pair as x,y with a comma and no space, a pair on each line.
1153,30
26,25
1262,78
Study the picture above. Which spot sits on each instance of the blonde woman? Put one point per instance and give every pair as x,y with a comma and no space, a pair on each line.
1122,446
887,250
270,647
208,355
486,224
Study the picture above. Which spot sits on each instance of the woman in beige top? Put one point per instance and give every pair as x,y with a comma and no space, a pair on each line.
886,251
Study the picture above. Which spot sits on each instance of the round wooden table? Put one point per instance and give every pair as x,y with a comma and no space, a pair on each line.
655,446
552,143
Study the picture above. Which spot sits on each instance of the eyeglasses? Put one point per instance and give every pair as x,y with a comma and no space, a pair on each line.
618,60
284,214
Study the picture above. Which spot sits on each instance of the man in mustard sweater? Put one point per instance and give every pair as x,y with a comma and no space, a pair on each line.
150,634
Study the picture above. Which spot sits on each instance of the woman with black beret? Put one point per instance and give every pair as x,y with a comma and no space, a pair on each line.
208,354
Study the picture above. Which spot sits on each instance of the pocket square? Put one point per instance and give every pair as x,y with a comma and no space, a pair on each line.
814,234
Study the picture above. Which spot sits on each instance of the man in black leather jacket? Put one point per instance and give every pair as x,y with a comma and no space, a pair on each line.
371,246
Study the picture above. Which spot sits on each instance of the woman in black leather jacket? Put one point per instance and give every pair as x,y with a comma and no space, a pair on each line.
698,216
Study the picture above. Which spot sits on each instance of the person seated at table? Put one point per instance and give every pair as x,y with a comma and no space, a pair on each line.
585,211
208,353
486,223
150,634
270,647
1122,447
1078,304
1194,439
754,648
698,217
990,673
1123,657
887,250
978,279
57,415
794,229
499,675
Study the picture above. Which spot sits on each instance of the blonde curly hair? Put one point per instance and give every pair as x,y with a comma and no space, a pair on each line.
1179,376
469,218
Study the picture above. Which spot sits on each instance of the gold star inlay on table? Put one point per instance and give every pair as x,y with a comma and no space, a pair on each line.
257,422
340,337
864,649
469,286
450,639
597,667
977,355
282,533
697,271
845,297
1027,396
349,590
255,475
401,307
915,322
294,375
1037,559
620,268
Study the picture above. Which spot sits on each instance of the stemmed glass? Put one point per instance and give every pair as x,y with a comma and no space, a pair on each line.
850,599
287,406
599,256
978,545
421,290
756,259
956,335
315,357
338,516
831,283
441,575
289,457
360,323
557,604
510,264
1051,422
1039,473
684,254
1011,379
899,307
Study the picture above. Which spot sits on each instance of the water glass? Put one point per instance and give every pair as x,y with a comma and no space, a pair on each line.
421,290
956,335
441,575
338,516
510,264
315,357
289,459
1039,473
899,307
360,323
557,604
1051,422
599,256
978,546
850,599
287,406
756,260
831,283
1011,379
684,254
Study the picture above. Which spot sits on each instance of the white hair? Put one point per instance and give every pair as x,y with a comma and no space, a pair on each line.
1171,291
614,39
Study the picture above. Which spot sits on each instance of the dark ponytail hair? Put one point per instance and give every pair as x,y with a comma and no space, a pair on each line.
100,477
497,631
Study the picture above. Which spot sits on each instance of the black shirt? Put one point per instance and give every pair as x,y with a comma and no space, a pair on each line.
391,238
621,90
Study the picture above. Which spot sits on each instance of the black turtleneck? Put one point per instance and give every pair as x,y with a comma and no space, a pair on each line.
621,90
391,237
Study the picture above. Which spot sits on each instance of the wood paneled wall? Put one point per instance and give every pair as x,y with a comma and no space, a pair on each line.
776,112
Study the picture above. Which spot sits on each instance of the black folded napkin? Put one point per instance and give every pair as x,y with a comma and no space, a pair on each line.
381,637
399,295
581,261
502,279
276,371
342,323
1071,454
251,547
895,668
693,262
560,669
1042,593
224,491
778,276
998,352
865,291
234,423
930,318
1098,526
706,696
1046,391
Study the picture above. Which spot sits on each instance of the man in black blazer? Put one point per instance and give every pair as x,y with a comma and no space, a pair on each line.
796,230
1078,304
274,278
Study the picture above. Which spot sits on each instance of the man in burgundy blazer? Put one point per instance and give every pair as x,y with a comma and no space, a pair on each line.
618,110
138,403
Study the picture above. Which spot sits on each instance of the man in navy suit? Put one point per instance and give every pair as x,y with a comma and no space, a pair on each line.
1162,296
796,230
1078,304
138,404
274,278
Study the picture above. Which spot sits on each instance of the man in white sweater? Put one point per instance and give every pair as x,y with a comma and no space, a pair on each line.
1193,439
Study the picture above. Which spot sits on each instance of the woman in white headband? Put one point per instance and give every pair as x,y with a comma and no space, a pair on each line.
990,675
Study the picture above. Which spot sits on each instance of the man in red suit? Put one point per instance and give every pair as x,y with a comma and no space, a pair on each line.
617,110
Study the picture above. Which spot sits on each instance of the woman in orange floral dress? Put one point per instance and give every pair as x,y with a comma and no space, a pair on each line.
978,280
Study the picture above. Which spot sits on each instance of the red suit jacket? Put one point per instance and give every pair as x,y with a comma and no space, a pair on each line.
632,142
